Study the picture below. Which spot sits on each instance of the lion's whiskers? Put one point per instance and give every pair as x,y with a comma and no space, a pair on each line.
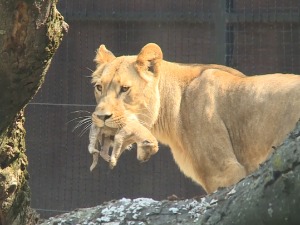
86,122
80,124
90,69
87,127
81,111
78,118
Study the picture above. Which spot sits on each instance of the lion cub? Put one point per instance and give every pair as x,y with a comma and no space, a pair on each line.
105,141
131,132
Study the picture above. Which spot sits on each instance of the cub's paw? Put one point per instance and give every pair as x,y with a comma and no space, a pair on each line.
105,156
95,161
93,150
112,162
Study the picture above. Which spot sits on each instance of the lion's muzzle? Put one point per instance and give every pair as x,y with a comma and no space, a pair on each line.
108,120
103,117
98,120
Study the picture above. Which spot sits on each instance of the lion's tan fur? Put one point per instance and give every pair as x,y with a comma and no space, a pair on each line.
219,123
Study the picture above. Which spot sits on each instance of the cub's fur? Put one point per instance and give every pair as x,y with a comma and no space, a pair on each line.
129,132
219,123
96,137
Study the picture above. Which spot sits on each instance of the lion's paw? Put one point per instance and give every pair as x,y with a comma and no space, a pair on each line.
146,150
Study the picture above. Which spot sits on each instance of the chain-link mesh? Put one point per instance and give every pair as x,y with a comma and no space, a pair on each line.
254,36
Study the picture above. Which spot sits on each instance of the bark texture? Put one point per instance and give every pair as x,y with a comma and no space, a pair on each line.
269,196
30,33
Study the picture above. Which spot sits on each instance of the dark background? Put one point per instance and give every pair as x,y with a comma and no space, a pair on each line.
254,36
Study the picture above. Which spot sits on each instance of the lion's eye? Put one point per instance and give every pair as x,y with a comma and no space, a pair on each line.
124,88
99,87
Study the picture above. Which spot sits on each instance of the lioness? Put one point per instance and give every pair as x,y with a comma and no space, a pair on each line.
219,123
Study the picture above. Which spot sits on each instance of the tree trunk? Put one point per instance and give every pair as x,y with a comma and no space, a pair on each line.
30,33
270,196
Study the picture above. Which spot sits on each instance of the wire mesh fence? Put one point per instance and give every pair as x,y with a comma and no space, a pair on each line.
254,36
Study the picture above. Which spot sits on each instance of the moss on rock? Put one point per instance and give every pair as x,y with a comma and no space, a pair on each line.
14,189
30,33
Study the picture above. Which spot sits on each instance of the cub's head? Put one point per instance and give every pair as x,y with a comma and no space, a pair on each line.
127,87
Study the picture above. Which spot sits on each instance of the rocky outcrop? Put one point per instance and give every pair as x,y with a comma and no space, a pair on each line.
30,33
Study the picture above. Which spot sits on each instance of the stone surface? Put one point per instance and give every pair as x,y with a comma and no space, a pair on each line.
136,212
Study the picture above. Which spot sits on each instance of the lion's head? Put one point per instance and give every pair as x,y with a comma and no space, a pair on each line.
126,86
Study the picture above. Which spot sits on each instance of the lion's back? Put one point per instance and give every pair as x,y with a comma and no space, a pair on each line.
252,113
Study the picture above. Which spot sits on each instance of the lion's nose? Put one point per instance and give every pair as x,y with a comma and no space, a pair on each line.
104,117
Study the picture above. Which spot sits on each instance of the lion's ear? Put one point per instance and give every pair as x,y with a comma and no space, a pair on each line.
103,55
149,59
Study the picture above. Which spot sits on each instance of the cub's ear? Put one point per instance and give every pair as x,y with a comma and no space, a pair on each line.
149,60
103,55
